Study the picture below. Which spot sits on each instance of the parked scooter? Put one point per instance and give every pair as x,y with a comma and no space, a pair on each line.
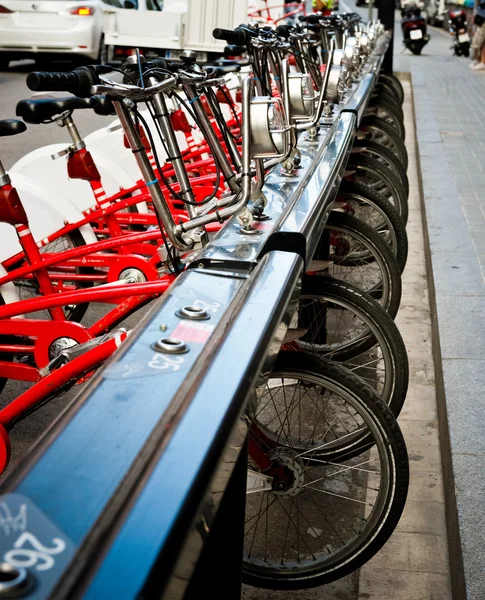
459,31
413,27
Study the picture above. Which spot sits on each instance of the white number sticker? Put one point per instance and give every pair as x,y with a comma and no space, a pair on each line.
208,306
163,362
39,557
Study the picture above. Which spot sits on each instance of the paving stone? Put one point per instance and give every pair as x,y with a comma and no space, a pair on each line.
344,589
423,445
423,517
470,491
378,584
454,184
420,404
457,273
417,552
426,486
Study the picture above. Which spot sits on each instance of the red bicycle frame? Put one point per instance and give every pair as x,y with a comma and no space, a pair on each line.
38,337
299,8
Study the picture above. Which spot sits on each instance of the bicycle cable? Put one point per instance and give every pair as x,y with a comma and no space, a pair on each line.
163,177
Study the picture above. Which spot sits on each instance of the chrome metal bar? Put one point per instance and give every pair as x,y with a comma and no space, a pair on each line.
323,90
149,177
275,69
73,131
245,191
132,91
163,119
231,144
211,137
286,100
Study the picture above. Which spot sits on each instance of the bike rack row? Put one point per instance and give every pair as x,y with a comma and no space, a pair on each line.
163,423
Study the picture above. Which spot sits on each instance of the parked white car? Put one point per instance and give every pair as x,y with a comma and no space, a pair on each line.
45,29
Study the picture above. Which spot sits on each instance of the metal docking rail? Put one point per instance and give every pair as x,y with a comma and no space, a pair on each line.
144,474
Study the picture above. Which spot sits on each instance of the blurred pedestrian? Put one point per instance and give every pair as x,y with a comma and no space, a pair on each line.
478,41
324,6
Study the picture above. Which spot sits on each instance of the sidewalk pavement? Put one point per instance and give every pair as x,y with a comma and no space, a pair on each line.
450,122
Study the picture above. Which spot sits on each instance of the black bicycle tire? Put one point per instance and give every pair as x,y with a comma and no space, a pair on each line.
389,115
366,308
299,364
338,221
383,86
387,177
386,156
381,92
362,192
393,82
375,124
77,240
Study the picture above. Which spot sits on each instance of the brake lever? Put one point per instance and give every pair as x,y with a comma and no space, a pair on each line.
134,91
215,81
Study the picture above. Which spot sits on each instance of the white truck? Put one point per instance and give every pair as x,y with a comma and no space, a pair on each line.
166,27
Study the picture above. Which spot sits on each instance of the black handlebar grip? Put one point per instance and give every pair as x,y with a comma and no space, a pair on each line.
158,63
313,19
238,37
78,82
232,50
283,31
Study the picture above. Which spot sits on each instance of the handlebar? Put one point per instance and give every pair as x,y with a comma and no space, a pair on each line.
238,36
78,82
232,50
313,19
283,31
84,83
133,91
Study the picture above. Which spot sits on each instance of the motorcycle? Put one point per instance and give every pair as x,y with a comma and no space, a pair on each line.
459,31
413,26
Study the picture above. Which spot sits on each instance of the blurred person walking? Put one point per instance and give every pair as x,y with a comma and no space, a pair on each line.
478,41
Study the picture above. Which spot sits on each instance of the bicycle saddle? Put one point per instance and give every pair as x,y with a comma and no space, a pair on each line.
11,127
44,109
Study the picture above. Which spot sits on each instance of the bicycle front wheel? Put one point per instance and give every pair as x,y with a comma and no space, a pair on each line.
382,180
334,501
379,152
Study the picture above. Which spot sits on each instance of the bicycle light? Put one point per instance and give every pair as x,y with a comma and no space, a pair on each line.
333,91
364,42
351,52
301,97
269,131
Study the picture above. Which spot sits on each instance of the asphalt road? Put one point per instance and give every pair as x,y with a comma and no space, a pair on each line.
13,89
